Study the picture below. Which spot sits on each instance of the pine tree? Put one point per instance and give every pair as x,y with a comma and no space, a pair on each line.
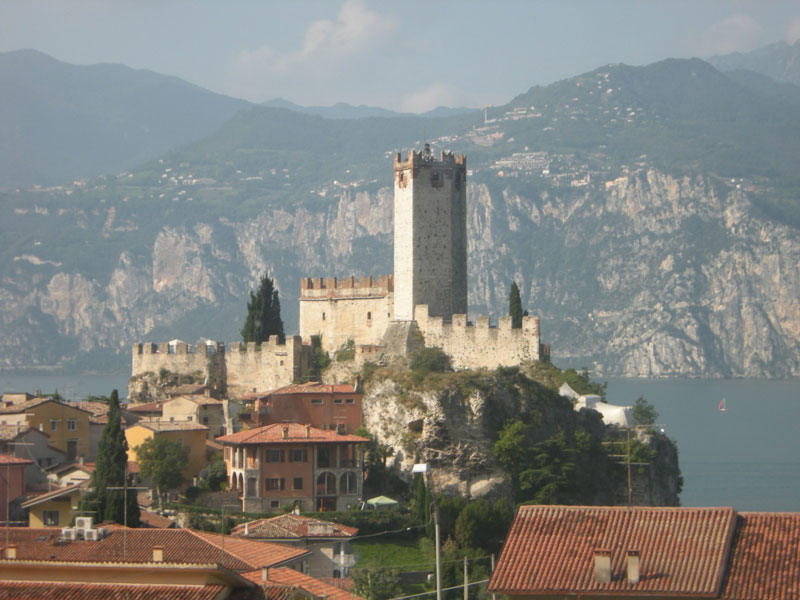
263,314
515,307
110,471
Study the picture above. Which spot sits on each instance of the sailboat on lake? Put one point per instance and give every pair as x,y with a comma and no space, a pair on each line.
722,407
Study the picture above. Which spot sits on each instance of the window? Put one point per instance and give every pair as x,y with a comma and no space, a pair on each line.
53,424
72,424
348,484
275,484
337,401
297,455
349,401
51,517
369,315
205,420
297,483
274,504
275,456
323,316
316,401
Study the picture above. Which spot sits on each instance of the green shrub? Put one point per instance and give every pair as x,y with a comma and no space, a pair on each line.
431,360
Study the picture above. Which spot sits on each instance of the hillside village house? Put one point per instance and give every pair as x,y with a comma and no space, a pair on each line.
296,465
321,405
23,442
12,482
197,409
594,552
328,542
57,507
109,562
67,426
189,435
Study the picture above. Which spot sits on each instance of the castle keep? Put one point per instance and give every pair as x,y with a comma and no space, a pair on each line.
427,293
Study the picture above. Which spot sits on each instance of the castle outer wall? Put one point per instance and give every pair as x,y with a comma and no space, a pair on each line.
346,309
244,369
479,345
430,234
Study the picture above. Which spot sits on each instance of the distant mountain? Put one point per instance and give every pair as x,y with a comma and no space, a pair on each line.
650,216
780,61
342,110
62,122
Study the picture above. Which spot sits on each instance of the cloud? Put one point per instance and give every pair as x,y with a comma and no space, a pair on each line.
329,50
793,30
437,94
737,33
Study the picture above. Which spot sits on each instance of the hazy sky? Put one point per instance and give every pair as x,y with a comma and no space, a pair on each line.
408,55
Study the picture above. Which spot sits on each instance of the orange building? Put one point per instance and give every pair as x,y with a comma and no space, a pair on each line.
321,405
297,465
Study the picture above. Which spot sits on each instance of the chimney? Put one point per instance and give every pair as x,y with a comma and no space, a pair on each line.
11,551
285,433
264,573
158,553
357,384
80,460
633,566
207,392
308,431
602,566
246,529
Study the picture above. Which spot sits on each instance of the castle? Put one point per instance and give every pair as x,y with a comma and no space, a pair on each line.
426,295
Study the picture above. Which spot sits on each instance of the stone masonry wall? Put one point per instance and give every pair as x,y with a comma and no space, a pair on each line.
241,370
479,345
430,240
340,310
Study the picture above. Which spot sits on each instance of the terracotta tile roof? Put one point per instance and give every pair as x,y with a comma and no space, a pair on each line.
144,407
343,583
292,526
270,434
7,459
10,432
195,389
96,408
155,520
213,446
284,577
180,546
765,560
106,591
550,550
312,387
18,407
255,553
56,493
198,399
87,467
171,426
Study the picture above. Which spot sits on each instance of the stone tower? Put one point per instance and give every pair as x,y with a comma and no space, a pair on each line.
430,234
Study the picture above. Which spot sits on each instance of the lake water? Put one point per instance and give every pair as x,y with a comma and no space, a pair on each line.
747,457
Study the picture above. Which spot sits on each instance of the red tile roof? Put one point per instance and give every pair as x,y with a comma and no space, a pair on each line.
106,591
155,520
289,577
270,434
180,546
144,407
312,387
56,493
765,560
197,399
550,550
19,407
12,432
292,526
7,459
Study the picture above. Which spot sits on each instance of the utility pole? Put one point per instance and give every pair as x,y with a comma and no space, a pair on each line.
438,552
125,489
8,490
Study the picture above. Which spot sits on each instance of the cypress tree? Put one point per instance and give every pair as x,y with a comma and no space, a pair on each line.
515,306
110,469
263,314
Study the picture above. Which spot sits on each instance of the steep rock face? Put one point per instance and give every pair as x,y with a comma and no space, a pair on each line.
648,275
452,428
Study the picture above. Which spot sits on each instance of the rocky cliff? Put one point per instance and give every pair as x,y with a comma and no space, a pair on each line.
451,420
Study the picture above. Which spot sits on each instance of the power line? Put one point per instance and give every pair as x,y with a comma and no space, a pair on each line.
455,587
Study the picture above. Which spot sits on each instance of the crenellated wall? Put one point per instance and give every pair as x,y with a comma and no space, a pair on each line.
339,310
242,369
480,345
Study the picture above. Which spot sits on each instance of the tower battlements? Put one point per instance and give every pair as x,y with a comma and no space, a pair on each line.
426,159
312,288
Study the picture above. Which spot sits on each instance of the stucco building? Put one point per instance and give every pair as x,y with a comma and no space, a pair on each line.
295,465
191,436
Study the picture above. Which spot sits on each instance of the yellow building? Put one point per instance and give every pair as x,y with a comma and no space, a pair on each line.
66,426
56,508
189,435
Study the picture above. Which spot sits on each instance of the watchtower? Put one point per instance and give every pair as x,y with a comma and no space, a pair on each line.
430,234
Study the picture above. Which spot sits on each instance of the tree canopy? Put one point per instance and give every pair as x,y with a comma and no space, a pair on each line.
644,413
263,314
162,461
515,306
110,472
